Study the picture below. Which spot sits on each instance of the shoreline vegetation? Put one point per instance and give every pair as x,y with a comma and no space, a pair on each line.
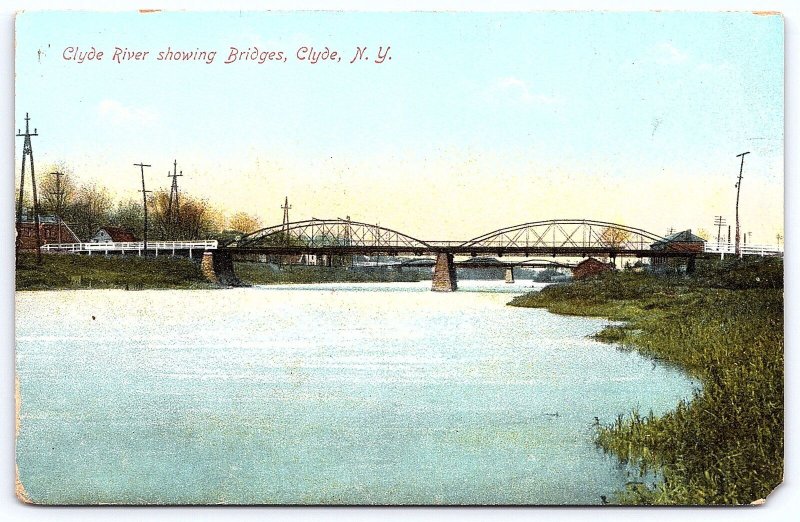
73,272
724,326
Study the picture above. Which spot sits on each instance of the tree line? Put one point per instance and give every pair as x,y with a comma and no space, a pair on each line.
87,207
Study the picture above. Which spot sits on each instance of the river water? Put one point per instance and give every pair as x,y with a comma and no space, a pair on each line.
337,393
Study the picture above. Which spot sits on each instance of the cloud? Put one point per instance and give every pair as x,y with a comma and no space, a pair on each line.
667,53
513,88
117,113
664,53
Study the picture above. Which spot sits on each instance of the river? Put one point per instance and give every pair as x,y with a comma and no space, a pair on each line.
337,393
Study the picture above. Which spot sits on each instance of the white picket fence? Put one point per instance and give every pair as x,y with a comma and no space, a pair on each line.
131,247
747,250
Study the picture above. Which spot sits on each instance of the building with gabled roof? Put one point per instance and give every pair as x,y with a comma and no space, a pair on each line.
51,230
683,241
111,234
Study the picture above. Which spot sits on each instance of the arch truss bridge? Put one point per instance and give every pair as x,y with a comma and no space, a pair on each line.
575,238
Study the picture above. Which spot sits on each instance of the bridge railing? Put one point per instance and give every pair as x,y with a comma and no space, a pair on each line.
131,246
748,250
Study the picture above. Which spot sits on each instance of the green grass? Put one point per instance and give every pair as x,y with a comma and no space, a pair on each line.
66,271
264,274
724,325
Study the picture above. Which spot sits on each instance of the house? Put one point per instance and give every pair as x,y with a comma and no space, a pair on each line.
51,230
113,235
590,267
683,241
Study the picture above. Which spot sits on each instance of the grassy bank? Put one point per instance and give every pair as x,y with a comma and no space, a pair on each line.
63,271
265,274
724,325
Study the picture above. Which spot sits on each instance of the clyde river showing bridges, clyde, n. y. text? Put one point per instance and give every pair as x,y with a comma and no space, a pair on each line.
378,393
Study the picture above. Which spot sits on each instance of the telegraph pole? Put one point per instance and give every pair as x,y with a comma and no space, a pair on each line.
59,195
738,189
27,152
173,208
286,207
144,202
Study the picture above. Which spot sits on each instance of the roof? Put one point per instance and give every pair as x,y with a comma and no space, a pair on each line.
119,234
592,260
43,219
684,236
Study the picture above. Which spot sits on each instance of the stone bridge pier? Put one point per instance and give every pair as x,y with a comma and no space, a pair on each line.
217,267
444,274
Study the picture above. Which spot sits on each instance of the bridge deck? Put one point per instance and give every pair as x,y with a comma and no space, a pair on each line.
459,250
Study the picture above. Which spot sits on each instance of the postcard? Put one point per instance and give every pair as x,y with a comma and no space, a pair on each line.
406,258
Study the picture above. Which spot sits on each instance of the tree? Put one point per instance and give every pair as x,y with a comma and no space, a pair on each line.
614,237
705,234
130,216
89,210
198,219
161,224
56,195
244,222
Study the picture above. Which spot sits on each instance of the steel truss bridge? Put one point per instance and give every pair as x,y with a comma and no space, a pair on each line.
328,238
557,237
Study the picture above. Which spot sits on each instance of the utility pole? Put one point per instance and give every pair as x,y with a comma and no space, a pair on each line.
59,195
27,152
719,222
286,207
144,202
173,207
738,189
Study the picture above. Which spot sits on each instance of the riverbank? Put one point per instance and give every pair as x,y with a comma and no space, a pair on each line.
723,325
69,272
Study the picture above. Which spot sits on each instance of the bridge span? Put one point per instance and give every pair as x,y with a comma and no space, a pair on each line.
329,238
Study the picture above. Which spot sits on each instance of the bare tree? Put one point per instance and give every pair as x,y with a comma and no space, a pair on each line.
56,192
90,209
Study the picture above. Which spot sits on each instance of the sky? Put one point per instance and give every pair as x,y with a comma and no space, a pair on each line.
478,121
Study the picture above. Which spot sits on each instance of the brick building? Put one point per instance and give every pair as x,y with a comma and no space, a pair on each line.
590,267
51,230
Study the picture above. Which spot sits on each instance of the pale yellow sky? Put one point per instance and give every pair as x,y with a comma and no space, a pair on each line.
456,195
